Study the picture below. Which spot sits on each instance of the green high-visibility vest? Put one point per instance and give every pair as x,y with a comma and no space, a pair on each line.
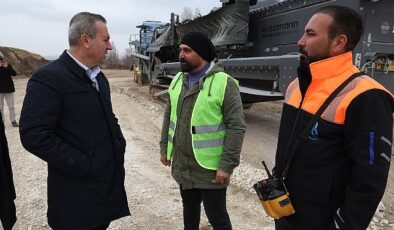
207,127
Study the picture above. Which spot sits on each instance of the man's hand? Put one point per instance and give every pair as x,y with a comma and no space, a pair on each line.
164,161
221,177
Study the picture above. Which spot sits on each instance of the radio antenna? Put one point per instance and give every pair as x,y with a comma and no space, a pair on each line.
266,169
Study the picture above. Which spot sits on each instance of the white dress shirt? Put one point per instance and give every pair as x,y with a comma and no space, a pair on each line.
92,73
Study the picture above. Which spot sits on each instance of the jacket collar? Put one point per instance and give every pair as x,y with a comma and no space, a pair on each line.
70,64
214,67
331,67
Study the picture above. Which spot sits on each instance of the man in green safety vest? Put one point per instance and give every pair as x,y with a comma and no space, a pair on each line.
202,132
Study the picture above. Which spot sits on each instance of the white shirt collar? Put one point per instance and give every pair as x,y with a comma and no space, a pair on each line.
92,73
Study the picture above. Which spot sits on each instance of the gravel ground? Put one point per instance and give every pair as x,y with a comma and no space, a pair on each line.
153,195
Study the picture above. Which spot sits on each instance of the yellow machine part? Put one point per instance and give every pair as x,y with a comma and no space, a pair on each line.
389,67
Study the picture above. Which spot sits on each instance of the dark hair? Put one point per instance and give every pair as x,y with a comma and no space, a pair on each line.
83,23
345,21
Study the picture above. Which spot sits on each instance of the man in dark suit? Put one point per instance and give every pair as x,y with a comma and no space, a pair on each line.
67,121
7,189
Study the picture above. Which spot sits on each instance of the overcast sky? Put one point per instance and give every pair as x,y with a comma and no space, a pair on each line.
41,26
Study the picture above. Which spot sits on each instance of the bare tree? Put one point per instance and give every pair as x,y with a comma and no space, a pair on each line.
112,56
187,14
127,59
197,13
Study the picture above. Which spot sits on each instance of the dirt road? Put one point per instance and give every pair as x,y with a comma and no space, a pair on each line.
153,195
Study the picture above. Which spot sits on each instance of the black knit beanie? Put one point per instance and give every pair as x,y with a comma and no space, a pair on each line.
201,44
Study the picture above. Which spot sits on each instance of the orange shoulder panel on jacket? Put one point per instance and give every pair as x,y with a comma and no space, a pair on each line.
360,85
291,89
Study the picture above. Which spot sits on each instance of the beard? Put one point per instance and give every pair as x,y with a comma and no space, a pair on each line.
306,59
303,72
303,68
187,66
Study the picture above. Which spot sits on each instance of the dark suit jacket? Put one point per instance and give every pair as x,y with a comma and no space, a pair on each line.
6,83
71,126
7,189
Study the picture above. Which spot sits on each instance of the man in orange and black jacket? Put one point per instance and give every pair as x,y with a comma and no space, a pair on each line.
338,176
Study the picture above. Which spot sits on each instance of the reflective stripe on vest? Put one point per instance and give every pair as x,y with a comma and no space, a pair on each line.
173,91
171,127
207,127
291,88
208,143
336,111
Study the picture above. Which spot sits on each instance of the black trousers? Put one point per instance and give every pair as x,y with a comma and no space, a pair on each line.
102,227
282,224
214,201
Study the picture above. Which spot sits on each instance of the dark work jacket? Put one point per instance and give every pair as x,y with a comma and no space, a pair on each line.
6,83
71,126
338,176
7,189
